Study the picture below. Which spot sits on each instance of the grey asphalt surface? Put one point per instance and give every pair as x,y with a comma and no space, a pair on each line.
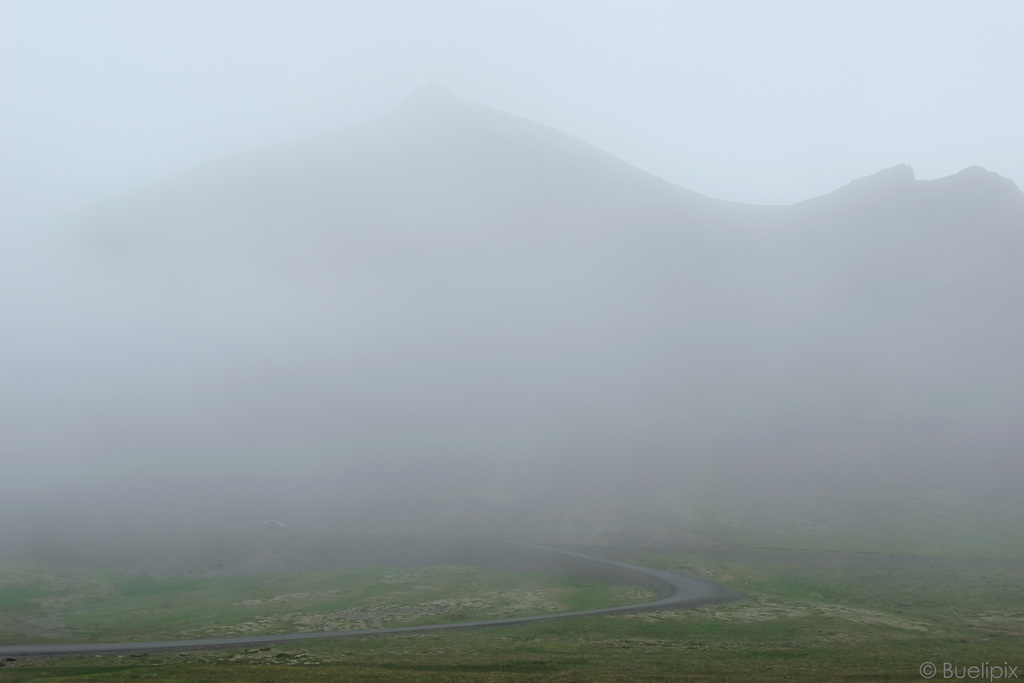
683,591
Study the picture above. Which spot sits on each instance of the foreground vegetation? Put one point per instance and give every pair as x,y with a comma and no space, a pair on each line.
807,616
43,605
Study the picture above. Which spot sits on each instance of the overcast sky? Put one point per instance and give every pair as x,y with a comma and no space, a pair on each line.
748,101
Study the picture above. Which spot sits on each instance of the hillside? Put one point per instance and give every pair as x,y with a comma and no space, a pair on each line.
453,317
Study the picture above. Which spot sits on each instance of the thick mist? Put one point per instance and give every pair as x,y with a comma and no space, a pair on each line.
453,320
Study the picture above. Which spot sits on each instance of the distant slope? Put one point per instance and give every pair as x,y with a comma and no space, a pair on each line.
451,303
438,171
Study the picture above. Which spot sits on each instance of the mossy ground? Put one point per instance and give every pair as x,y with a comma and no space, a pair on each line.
42,605
807,616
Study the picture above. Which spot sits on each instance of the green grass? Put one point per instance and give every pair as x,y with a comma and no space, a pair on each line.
807,617
43,605
933,524
705,647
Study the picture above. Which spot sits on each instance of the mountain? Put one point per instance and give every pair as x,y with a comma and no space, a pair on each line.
437,169
452,306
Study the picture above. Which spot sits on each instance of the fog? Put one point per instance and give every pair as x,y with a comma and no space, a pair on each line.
446,318
746,102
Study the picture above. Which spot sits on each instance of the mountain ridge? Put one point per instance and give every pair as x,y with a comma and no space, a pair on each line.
432,101
450,290
440,167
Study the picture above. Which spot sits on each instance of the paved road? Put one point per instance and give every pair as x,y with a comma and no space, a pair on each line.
683,592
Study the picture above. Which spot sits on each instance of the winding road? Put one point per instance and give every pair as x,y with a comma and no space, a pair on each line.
683,592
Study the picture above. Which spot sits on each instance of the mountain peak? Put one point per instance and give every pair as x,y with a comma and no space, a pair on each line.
901,173
980,175
976,179
888,182
431,95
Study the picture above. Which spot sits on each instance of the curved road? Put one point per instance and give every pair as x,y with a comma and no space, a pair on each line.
685,592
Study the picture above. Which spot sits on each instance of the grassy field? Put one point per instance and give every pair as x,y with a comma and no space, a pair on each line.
43,605
814,616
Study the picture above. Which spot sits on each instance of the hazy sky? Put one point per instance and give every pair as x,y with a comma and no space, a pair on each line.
749,101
